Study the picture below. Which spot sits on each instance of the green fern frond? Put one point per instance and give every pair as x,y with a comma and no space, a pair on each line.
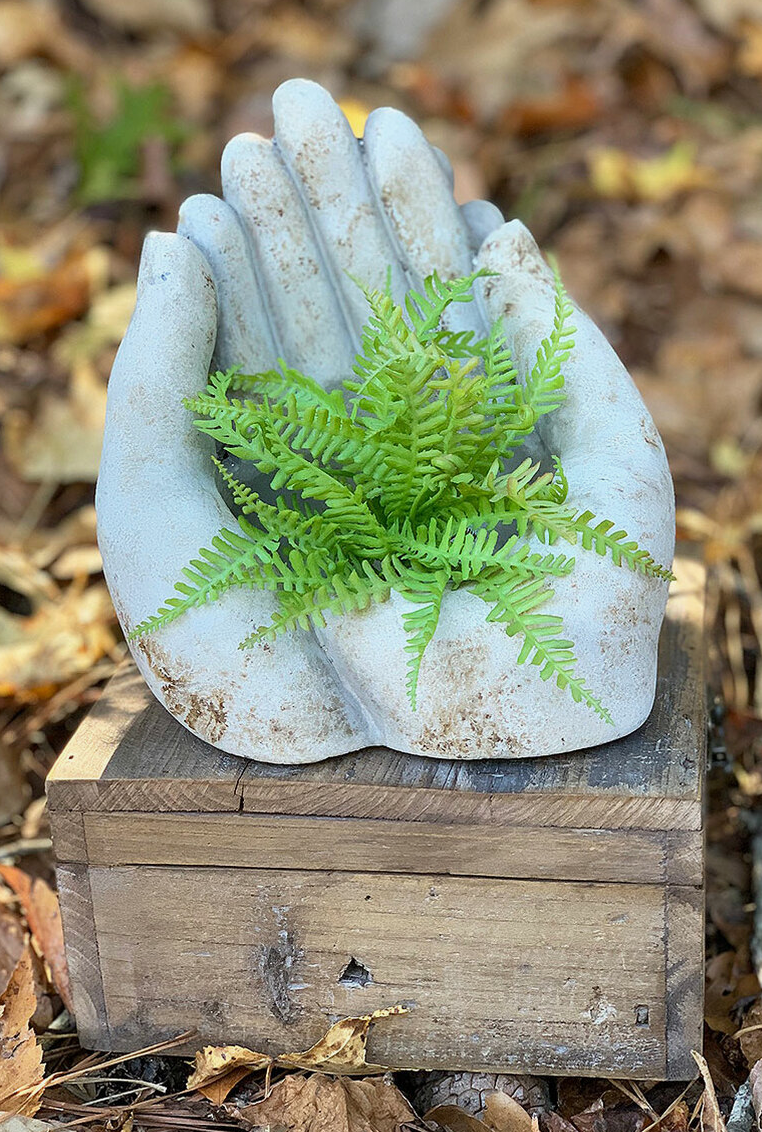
420,623
236,560
340,593
404,478
544,388
287,382
425,310
515,607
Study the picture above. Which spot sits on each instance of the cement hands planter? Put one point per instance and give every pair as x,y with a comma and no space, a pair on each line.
264,273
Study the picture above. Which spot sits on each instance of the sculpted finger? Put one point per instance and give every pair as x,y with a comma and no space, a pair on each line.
482,218
309,325
324,159
445,165
244,334
157,505
415,195
603,433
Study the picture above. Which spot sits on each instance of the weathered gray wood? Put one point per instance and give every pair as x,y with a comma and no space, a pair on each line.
346,844
68,831
82,955
684,947
504,974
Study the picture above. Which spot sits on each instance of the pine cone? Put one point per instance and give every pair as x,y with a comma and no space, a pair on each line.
470,1090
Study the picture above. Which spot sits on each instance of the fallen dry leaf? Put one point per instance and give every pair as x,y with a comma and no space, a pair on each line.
554,1122
501,1114
102,328
454,1119
318,1103
750,1036
44,545
602,1117
14,1123
14,789
676,1119
12,937
218,1069
621,175
20,574
20,1053
60,641
573,105
749,57
217,1091
77,562
34,304
728,982
37,29
504,1114
145,16
61,441
43,915
340,1050
711,1118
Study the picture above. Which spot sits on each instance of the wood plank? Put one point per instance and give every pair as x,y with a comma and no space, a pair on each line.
684,939
68,833
82,955
500,974
346,844
131,755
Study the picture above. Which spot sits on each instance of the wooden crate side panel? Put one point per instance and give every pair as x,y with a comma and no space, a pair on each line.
352,845
500,974
80,938
684,939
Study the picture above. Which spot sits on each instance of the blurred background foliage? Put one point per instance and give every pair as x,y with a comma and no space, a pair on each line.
626,133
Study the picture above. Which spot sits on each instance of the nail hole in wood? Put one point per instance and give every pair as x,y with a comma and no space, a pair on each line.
355,974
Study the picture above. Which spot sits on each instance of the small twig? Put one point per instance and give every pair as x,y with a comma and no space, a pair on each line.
79,1071
670,1108
125,1081
634,1093
25,848
35,509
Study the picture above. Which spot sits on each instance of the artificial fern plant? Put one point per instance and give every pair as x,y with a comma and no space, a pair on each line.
409,477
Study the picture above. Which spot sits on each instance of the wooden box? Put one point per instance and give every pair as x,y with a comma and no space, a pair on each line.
539,914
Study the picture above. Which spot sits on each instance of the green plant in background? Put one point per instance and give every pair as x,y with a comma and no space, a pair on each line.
406,478
108,154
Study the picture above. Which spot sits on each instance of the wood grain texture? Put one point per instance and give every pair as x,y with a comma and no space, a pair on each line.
512,974
82,955
68,833
684,947
131,755
349,845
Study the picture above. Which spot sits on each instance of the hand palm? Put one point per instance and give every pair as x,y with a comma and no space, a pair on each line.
301,216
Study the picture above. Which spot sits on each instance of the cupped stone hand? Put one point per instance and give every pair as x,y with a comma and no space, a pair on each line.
265,273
